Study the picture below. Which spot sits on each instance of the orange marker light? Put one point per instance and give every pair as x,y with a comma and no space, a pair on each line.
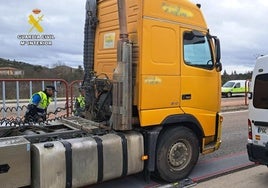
144,157
257,137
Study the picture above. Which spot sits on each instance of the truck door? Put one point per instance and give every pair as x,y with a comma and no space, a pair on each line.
200,82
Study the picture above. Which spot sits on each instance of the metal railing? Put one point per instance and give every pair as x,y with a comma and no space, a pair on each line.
15,95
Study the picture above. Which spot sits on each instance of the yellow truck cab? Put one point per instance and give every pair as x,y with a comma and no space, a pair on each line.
173,57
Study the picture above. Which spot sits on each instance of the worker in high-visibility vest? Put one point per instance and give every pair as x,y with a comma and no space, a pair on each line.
80,103
38,104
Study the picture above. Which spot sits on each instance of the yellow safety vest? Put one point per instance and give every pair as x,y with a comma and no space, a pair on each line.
44,102
81,101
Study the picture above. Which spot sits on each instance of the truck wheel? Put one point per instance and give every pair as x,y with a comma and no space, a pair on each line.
177,153
229,95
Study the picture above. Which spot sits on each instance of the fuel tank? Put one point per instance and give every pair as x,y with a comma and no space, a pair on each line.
15,162
83,161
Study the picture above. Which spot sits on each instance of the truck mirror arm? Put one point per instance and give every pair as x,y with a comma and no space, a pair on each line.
218,66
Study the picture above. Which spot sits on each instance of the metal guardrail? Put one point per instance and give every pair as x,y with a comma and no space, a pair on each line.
15,95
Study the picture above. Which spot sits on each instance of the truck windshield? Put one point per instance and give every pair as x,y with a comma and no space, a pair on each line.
260,95
228,84
197,51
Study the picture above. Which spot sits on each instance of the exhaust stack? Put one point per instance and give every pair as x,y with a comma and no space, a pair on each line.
122,77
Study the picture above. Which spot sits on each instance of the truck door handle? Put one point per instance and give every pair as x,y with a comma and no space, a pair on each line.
4,168
186,97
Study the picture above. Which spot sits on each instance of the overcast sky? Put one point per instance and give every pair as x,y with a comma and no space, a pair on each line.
241,26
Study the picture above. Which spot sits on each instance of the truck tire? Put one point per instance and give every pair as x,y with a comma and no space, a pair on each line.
177,153
229,94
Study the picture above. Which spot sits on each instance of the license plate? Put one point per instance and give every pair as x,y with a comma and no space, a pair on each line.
262,130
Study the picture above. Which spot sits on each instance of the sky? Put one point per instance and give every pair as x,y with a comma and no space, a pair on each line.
241,26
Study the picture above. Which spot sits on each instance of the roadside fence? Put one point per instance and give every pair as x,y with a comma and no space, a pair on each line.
16,93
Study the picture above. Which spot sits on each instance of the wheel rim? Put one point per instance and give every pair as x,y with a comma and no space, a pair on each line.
179,155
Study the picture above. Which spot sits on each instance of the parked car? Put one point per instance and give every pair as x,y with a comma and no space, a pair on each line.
234,87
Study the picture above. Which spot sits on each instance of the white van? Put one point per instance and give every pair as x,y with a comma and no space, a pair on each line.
257,146
234,87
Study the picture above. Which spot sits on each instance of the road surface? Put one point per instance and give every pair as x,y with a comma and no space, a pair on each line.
256,177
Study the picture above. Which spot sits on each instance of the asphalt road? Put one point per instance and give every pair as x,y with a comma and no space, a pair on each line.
256,177
234,134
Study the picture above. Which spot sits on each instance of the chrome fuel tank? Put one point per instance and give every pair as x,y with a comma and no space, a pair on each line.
15,162
88,160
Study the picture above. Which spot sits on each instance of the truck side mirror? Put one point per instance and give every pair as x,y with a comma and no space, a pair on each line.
218,64
217,49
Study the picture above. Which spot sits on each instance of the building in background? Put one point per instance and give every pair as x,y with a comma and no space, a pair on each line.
10,71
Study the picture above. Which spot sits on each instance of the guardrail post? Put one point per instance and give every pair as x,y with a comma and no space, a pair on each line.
4,99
